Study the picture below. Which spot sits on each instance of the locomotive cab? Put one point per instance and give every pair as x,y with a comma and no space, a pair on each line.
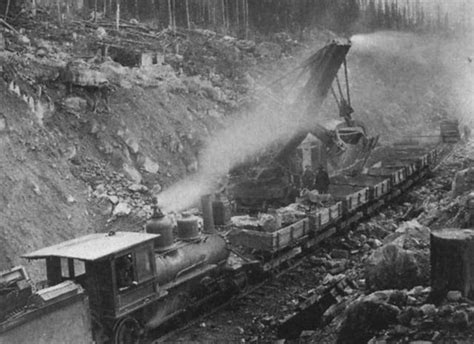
117,270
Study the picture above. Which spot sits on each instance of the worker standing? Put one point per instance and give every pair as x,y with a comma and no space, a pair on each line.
467,132
322,181
308,178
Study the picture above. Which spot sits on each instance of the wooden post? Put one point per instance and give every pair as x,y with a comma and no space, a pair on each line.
58,6
33,8
452,261
170,15
188,21
7,9
117,16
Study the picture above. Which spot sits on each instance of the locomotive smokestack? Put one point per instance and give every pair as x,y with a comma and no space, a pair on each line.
207,215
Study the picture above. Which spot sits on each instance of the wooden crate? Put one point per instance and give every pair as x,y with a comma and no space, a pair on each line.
271,242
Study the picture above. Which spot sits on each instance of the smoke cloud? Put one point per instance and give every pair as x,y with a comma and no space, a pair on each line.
275,119
404,84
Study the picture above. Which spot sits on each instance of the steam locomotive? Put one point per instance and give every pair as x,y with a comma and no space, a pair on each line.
113,287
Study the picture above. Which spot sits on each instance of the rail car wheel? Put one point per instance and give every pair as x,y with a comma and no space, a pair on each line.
127,331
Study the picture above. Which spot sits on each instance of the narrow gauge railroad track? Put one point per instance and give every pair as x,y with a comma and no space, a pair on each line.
301,258
251,289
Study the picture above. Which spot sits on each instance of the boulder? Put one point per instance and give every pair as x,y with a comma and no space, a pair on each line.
245,45
103,206
268,50
114,71
101,33
156,189
150,166
463,181
270,222
410,235
391,266
291,213
460,319
364,319
75,104
137,188
122,209
454,296
78,72
132,173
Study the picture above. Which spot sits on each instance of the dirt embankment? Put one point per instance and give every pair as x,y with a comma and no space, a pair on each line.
40,202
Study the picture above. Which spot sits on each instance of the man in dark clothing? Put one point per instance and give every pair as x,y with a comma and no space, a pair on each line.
322,181
307,179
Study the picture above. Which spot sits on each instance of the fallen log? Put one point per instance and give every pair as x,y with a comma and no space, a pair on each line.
8,26
452,261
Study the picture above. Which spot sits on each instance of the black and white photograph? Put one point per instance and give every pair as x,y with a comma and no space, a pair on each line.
236,171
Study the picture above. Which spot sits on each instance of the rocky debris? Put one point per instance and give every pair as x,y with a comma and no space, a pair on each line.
113,194
364,319
291,213
419,320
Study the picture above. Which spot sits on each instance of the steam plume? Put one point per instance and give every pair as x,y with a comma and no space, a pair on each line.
247,136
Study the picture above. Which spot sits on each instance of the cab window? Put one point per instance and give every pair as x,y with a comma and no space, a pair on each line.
144,265
125,273
72,268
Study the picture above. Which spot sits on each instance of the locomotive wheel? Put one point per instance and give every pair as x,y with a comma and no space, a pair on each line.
127,331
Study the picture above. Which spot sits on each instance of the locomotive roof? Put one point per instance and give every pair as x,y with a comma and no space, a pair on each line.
93,246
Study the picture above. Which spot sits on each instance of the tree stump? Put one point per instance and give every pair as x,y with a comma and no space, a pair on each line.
452,261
